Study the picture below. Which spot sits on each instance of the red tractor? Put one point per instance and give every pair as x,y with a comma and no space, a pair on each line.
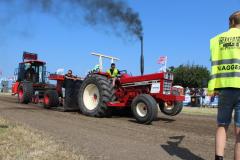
143,94
31,85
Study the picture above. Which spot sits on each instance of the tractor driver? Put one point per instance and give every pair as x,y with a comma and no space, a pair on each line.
113,72
30,73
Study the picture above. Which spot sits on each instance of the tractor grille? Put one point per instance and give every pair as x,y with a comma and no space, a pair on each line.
167,87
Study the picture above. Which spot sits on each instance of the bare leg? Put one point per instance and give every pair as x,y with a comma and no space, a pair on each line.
113,81
221,137
237,143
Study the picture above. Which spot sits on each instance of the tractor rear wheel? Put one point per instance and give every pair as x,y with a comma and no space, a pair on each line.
95,92
51,99
25,92
171,109
144,109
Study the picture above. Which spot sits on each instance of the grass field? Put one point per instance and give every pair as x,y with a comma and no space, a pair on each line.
199,111
5,94
20,143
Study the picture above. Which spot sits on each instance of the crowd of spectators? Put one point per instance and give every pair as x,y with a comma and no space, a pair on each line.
201,95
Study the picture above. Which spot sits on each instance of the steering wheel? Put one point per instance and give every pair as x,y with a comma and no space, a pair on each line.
123,72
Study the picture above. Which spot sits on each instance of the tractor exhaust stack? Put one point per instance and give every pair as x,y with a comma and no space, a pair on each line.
142,57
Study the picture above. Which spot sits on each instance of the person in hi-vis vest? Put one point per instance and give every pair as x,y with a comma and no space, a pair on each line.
225,80
113,73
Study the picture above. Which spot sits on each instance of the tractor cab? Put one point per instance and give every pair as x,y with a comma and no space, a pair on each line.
31,85
31,69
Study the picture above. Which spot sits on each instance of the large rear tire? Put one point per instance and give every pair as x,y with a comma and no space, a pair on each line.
144,108
171,109
95,92
51,99
25,92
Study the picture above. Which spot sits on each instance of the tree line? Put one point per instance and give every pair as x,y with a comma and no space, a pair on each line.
192,76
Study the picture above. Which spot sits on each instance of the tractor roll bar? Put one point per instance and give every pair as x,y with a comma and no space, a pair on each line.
101,56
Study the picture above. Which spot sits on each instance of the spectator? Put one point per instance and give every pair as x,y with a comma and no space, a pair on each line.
70,76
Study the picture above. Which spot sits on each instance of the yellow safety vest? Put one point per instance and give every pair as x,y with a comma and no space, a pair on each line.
115,73
225,59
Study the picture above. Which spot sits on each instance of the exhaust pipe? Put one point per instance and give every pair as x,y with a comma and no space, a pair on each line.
142,57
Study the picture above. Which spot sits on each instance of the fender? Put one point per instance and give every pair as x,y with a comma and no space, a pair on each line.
15,88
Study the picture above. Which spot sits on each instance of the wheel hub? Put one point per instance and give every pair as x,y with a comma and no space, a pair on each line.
20,94
91,97
46,100
141,109
168,105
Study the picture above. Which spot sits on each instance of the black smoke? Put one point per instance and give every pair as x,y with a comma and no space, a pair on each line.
114,13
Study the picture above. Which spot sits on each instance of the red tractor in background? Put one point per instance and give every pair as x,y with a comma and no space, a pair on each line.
31,85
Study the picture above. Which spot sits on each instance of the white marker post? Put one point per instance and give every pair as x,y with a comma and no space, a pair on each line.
101,56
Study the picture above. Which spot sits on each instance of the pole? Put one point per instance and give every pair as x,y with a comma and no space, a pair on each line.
100,63
165,69
142,57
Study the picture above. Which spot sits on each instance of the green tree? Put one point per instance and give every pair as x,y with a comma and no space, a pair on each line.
195,76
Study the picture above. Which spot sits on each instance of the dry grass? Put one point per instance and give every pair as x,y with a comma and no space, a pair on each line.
5,94
20,143
200,111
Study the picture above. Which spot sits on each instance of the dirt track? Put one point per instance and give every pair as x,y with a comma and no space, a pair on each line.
185,137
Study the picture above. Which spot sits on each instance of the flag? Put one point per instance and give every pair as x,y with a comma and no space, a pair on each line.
1,73
162,60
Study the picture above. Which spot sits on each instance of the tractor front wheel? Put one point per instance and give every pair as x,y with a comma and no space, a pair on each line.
144,109
25,92
171,108
51,99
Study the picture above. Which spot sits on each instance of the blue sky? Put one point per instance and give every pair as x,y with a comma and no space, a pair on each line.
180,30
